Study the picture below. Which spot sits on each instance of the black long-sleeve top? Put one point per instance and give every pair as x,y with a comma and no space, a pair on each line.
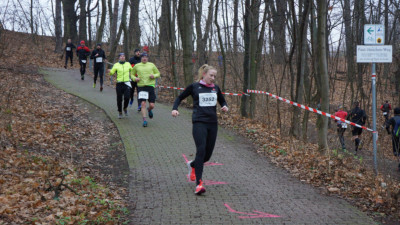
392,122
101,53
204,102
69,48
357,116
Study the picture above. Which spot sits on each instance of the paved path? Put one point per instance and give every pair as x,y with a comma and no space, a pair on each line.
246,189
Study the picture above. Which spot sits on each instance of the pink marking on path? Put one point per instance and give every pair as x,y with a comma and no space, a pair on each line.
251,215
205,164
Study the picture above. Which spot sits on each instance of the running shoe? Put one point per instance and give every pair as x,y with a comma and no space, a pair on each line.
101,88
144,123
139,108
82,77
192,174
94,85
200,189
360,145
130,103
126,112
65,66
151,114
120,115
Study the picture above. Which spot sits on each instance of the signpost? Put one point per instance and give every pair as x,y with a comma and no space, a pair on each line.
374,51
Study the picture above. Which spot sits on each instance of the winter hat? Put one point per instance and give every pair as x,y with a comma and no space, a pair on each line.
397,111
82,42
98,44
137,50
121,54
144,54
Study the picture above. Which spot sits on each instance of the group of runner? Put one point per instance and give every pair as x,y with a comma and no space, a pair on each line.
140,74
358,116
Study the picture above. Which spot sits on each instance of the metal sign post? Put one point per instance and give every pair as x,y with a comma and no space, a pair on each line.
374,51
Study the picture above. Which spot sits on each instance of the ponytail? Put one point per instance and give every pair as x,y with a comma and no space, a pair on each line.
204,69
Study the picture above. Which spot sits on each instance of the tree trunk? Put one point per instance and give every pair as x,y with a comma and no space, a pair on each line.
251,26
57,27
323,73
163,21
235,25
89,24
279,37
70,19
82,20
134,28
221,45
172,43
301,42
349,46
124,28
113,24
100,29
203,38
185,24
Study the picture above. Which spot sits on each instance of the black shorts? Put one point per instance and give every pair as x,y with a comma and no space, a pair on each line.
356,131
150,90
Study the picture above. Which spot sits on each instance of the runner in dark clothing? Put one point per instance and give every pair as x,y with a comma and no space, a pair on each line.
395,132
341,126
99,57
69,53
82,52
133,61
357,116
205,95
385,108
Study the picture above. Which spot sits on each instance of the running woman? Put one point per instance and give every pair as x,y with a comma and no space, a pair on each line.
205,95
385,108
68,52
341,126
82,52
146,80
133,61
99,57
357,116
123,88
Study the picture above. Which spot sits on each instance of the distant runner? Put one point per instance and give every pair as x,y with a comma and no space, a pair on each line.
133,61
357,116
123,88
99,57
147,73
395,131
205,95
385,108
69,53
82,52
341,126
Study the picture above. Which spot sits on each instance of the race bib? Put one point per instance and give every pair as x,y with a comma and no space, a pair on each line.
99,59
144,95
384,113
344,125
69,49
83,61
207,99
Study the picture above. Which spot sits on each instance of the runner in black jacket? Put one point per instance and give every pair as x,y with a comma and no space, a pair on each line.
99,57
357,116
133,61
205,95
69,53
82,52
395,139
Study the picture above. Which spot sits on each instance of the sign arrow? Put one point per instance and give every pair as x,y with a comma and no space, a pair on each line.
370,30
256,214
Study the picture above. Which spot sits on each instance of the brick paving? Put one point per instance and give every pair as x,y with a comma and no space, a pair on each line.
161,194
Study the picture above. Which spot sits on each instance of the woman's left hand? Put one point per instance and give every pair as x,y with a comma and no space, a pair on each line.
225,109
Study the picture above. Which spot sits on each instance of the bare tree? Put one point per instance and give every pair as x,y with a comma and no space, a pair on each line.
82,20
57,27
134,28
163,21
100,29
203,38
113,22
70,19
185,24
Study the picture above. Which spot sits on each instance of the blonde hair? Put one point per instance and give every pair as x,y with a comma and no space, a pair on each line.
204,69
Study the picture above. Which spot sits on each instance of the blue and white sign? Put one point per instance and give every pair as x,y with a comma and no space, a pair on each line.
374,34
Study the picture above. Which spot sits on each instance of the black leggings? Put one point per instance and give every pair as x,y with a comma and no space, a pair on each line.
134,86
99,70
204,135
395,143
122,90
83,67
70,56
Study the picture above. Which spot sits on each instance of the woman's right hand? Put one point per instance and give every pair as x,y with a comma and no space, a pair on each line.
175,113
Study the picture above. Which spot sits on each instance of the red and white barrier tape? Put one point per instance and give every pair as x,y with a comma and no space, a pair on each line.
177,88
310,109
